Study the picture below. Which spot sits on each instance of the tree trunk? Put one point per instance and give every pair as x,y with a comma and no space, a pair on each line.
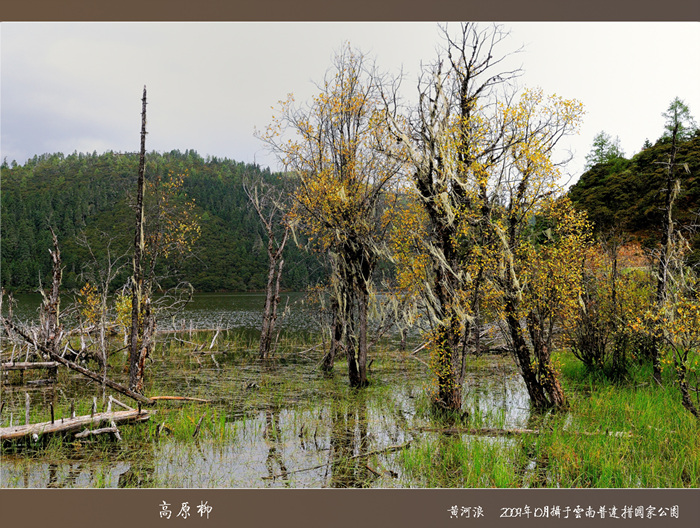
681,370
548,379
271,300
666,247
352,344
362,344
522,355
136,361
446,356
51,331
337,332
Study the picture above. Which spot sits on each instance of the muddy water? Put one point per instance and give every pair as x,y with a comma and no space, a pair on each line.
284,424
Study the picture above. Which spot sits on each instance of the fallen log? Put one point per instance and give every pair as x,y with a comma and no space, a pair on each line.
71,425
28,365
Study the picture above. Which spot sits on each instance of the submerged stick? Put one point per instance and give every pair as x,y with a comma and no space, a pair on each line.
489,431
86,433
361,455
196,429
179,398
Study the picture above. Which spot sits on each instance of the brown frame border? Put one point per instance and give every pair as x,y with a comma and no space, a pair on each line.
338,508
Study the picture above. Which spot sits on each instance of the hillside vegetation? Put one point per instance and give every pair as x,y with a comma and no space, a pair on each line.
90,195
627,195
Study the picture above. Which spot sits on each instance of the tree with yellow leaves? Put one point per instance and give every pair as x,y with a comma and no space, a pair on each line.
483,170
335,146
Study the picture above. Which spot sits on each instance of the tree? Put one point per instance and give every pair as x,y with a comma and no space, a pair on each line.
526,187
269,204
94,296
604,150
51,331
674,325
334,146
483,169
448,141
679,122
141,319
173,226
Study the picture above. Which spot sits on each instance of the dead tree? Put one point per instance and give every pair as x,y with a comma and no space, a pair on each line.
51,331
140,304
102,271
268,204
672,189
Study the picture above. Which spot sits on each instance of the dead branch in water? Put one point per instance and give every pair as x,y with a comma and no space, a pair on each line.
490,431
90,374
179,398
69,425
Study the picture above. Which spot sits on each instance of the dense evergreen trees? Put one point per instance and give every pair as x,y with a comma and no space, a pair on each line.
628,194
92,194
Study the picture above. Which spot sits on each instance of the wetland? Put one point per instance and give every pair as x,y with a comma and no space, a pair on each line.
286,423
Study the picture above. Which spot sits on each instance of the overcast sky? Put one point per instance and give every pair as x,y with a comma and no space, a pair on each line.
77,86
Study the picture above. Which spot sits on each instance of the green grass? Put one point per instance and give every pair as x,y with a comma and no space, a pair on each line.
631,434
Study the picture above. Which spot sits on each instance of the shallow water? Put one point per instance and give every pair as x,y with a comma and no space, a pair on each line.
283,424
204,311
293,428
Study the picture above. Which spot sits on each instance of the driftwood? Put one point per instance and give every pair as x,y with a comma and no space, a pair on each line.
27,365
111,429
74,366
112,399
71,425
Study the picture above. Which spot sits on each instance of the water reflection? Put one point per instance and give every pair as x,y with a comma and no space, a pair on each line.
141,470
349,441
273,438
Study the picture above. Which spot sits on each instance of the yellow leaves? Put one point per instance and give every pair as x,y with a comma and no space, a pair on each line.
92,309
550,265
122,307
90,303
174,224
335,145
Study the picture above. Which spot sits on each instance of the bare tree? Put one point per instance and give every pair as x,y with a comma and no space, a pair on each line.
269,204
51,330
101,273
141,327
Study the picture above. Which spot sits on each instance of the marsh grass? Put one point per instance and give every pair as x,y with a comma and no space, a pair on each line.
660,446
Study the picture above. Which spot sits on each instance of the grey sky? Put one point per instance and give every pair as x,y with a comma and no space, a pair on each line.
77,86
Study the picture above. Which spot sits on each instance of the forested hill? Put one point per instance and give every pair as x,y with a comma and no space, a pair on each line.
90,194
628,194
